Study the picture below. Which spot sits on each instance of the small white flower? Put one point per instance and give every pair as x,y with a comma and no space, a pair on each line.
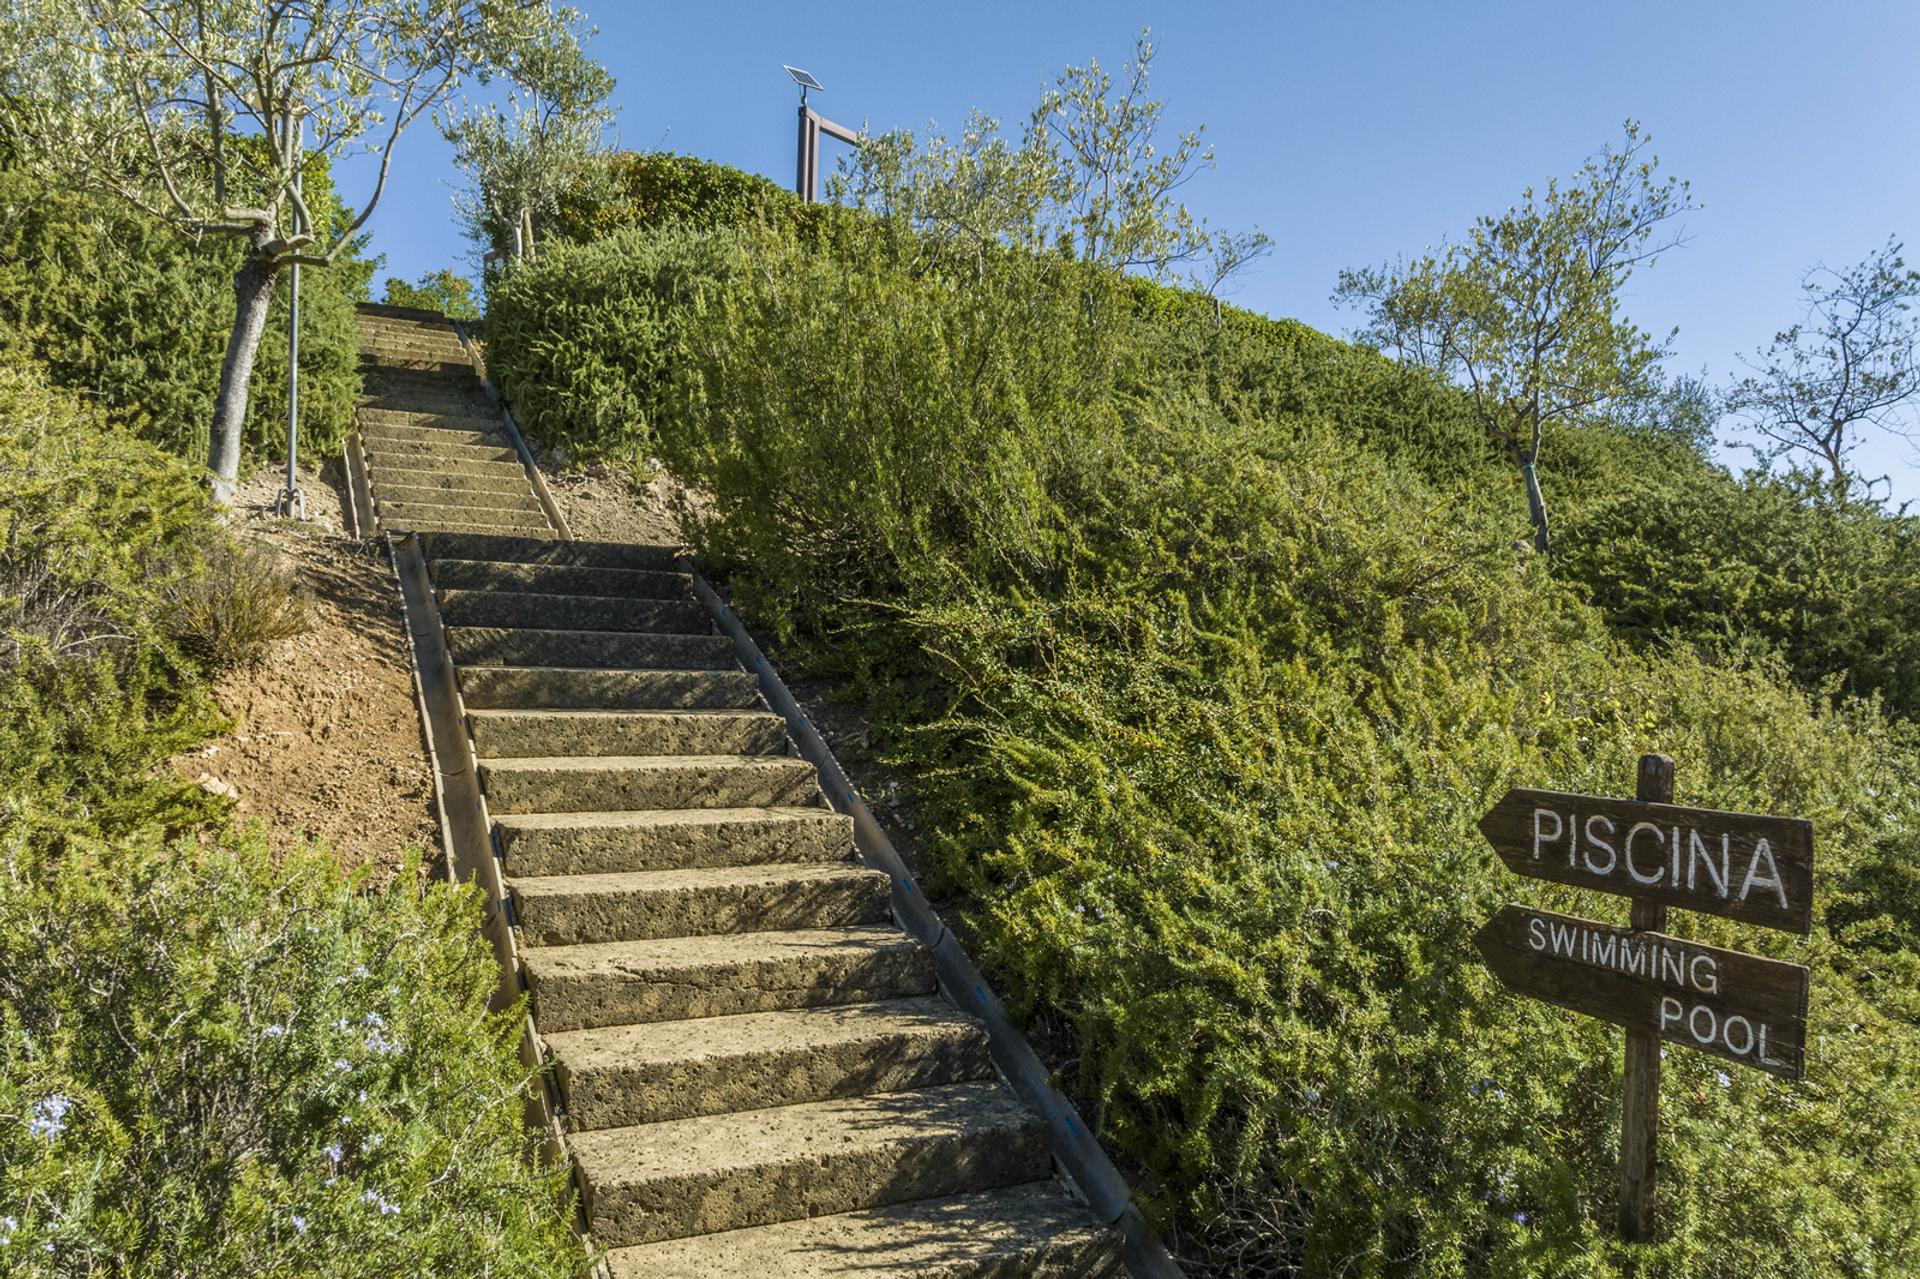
49,1116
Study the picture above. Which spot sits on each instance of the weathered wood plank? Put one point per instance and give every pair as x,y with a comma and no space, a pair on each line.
1743,866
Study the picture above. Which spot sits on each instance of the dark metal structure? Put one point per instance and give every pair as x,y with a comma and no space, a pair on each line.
806,180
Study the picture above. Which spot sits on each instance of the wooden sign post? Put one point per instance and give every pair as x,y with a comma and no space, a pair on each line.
1743,1008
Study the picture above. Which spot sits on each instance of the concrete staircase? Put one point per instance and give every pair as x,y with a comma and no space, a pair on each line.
434,452
758,1074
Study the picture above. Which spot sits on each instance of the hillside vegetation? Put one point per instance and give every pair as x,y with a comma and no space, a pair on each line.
212,1061
1209,639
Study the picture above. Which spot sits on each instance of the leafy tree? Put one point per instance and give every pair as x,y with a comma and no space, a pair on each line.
118,306
201,117
442,291
1085,178
1525,311
1849,365
546,143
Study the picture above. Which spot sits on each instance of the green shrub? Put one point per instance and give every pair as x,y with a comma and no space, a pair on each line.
93,523
1208,656
1698,555
581,339
136,317
213,1065
658,189
242,601
442,291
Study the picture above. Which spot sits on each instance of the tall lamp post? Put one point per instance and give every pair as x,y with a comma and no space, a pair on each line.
291,501
806,180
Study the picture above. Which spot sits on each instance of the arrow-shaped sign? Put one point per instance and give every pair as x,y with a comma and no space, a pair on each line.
1741,1007
1755,869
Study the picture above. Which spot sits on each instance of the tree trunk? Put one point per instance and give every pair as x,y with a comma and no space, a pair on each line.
1536,506
252,296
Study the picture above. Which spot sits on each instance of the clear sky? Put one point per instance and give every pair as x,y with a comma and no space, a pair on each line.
1348,133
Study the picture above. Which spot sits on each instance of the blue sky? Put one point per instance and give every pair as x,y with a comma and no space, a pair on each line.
1349,133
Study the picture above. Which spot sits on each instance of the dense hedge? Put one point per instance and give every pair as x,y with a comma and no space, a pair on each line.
130,314
212,1062
1207,641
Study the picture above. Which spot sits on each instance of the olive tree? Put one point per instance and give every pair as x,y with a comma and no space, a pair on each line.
1524,312
1847,366
1086,176
545,143
200,113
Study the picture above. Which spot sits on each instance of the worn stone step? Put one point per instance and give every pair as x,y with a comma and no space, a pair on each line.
621,1076
572,612
473,499
461,526
418,452
430,361
599,784
542,844
559,579
409,514
571,554
390,384
511,734
1032,1231
456,422
459,402
496,479
616,650
625,983
571,910
481,434
698,1176
564,687
499,472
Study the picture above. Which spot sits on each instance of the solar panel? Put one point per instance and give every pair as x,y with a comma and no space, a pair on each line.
804,80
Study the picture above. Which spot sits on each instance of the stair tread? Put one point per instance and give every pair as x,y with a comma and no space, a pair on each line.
723,974
688,879
667,1043
606,763
1035,1230
684,1177
590,714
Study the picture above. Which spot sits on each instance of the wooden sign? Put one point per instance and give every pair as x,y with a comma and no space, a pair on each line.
1743,1008
1755,869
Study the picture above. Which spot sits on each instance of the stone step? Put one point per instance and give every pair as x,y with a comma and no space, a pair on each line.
417,452
686,1177
615,650
611,783
543,844
409,515
559,579
472,499
481,434
564,687
407,400
1032,1231
626,983
462,526
622,1076
572,612
573,910
499,479
525,734
499,472
430,361
366,417
571,554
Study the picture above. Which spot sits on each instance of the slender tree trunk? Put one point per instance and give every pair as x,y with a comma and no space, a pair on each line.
252,296
1536,506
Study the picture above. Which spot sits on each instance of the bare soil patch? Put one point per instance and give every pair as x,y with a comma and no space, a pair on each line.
327,741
